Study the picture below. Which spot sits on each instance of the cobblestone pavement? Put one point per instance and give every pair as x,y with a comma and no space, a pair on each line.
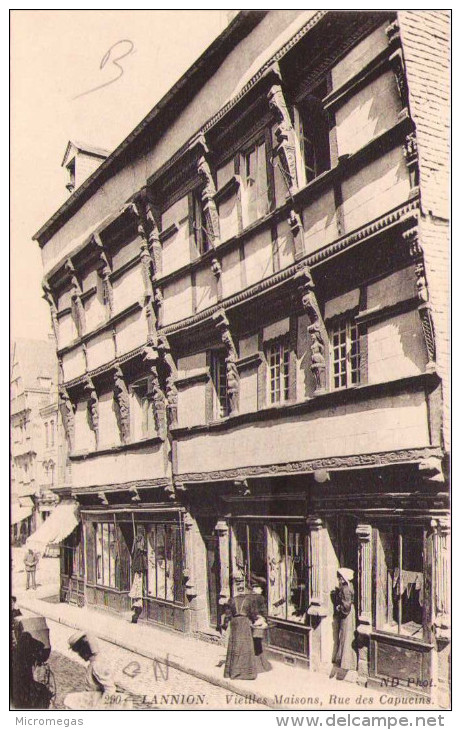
154,686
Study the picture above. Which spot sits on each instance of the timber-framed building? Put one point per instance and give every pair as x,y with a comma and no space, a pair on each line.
249,297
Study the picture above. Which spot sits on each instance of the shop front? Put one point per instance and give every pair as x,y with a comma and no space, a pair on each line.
110,539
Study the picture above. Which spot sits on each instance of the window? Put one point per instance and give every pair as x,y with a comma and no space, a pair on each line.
164,563
278,363
219,379
106,555
141,410
400,585
277,553
46,434
200,228
255,185
312,131
345,353
287,572
52,432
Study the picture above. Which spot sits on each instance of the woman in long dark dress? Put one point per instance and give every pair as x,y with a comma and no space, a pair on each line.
345,657
259,618
240,659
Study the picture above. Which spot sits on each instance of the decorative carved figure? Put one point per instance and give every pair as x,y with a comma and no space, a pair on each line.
170,380
233,380
316,329
93,407
123,402
47,295
285,136
209,206
78,310
67,410
150,354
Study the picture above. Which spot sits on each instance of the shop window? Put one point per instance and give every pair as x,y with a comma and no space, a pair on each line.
141,410
276,553
255,199
201,235
312,132
278,370
287,572
164,563
219,379
106,555
345,353
400,585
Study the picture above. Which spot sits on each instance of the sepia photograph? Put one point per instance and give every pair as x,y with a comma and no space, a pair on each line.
230,360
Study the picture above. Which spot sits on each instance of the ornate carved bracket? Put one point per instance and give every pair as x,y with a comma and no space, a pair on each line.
150,355
210,209
398,67
364,535
297,229
316,329
67,411
48,297
76,298
285,136
232,375
424,310
145,222
105,271
410,152
123,402
170,371
93,406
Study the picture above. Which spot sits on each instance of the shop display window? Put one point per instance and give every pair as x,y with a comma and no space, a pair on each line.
107,558
164,562
400,580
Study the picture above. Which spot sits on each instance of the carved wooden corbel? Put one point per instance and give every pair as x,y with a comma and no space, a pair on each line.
398,67
222,531
316,329
48,297
104,271
150,355
422,292
93,406
441,541
102,498
134,494
123,402
364,534
76,298
188,570
232,375
155,245
170,371
410,152
297,230
210,209
67,411
285,149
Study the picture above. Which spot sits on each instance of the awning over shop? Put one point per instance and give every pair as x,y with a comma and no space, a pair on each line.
62,521
19,513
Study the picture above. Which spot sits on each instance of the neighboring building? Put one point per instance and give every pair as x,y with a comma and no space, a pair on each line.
250,302
34,434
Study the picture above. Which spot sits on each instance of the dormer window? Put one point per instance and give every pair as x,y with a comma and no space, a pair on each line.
71,170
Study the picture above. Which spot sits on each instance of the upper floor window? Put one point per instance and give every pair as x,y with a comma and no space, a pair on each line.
255,199
312,129
201,235
345,353
278,363
219,379
141,410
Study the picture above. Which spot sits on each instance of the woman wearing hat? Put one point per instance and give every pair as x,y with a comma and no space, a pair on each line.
345,656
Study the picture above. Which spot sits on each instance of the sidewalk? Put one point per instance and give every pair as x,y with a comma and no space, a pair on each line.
289,688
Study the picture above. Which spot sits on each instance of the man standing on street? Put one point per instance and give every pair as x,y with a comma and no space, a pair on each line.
30,563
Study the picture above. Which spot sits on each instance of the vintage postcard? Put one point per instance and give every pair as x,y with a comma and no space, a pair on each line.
229,360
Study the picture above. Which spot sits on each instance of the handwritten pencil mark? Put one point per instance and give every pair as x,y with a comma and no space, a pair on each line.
112,56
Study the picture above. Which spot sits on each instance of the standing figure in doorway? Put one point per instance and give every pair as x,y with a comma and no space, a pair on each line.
138,569
239,614
30,564
345,658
